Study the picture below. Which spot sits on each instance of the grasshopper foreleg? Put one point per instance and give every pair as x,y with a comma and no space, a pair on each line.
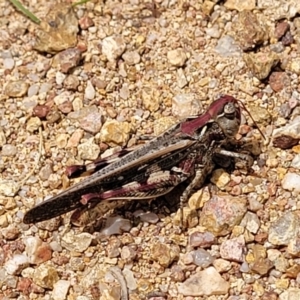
242,160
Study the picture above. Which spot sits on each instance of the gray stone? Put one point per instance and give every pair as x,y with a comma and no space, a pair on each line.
284,228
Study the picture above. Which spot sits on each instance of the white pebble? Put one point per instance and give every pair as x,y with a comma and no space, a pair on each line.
291,181
16,264
8,63
8,188
60,289
89,92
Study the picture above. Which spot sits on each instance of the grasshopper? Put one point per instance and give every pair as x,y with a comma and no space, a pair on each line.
185,152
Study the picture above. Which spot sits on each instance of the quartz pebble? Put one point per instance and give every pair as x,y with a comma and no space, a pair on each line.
16,88
221,214
177,273
207,282
113,47
89,92
60,289
76,242
213,32
233,249
45,172
284,229
251,222
131,57
37,250
202,258
290,294
71,82
33,124
2,138
8,63
203,240
91,121
291,182
147,217
16,264
220,178
177,57
227,46
181,78
115,133
151,99
128,254
185,105
75,138
115,225
88,150
9,188
11,232
130,280
113,248
222,265
9,150
294,66
45,276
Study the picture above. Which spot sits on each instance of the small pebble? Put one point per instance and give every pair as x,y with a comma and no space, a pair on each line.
113,47
16,264
131,57
60,289
8,188
8,63
291,182
284,228
45,276
233,249
130,280
177,57
76,242
33,124
9,150
222,265
16,88
202,258
115,225
41,111
207,282
89,92
88,150
128,254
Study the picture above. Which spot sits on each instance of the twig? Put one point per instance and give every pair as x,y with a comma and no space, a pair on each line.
25,11
80,2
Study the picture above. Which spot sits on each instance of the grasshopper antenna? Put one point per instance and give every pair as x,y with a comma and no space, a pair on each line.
247,111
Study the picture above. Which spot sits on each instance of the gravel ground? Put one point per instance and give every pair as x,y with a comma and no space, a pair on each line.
97,77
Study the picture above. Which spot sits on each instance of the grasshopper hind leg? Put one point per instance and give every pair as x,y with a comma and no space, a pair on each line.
196,183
